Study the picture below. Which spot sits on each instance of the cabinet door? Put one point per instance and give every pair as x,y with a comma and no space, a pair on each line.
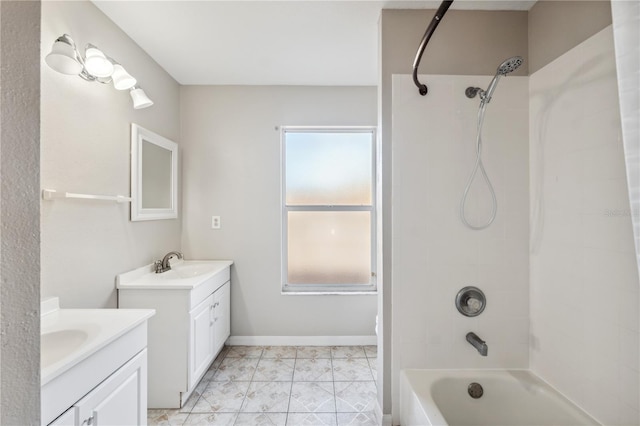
222,315
120,400
201,339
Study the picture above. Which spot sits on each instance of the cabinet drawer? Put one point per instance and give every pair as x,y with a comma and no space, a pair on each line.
203,290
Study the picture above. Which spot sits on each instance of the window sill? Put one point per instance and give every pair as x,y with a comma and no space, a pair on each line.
329,293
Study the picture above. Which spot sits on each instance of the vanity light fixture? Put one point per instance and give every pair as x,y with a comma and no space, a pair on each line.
122,80
96,63
94,66
140,99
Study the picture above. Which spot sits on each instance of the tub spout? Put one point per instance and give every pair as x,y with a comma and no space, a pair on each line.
477,343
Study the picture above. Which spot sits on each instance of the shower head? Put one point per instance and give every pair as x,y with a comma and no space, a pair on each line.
508,66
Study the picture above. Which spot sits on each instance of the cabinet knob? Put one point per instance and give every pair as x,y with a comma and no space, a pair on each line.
88,421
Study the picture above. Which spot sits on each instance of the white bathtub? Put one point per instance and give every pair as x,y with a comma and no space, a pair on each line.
511,398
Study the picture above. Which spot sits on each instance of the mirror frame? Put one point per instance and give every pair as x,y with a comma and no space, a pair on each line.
138,135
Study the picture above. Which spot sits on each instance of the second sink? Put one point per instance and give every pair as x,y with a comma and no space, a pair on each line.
56,345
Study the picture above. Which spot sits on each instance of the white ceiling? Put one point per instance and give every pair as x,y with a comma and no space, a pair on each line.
265,42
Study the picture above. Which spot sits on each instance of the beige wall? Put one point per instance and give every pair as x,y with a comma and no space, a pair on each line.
19,213
558,26
86,149
232,169
465,43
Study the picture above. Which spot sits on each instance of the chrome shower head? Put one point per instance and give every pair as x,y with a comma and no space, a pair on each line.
510,65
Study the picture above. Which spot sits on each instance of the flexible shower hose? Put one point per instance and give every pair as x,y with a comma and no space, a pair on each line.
479,165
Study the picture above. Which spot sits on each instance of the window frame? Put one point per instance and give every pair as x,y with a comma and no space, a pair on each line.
324,289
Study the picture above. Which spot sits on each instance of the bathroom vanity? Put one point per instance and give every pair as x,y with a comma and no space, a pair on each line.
192,323
93,366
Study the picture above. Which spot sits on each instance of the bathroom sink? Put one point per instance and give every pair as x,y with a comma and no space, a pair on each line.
190,269
79,348
184,274
57,345
67,336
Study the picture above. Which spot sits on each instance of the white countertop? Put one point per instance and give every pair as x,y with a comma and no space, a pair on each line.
184,274
69,336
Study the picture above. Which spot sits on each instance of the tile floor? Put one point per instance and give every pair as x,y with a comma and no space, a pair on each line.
283,386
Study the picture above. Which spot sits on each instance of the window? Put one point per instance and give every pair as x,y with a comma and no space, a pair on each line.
328,210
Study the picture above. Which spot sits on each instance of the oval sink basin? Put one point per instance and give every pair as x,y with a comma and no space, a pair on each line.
188,270
56,345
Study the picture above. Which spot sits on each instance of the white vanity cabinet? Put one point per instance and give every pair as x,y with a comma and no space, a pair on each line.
120,400
221,316
93,366
201,336
191,325
210,328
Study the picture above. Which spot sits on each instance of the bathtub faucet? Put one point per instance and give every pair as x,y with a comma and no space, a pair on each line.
477,343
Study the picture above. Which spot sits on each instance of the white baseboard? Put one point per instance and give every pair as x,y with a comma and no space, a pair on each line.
302,341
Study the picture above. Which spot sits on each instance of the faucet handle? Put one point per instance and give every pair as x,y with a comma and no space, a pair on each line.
158,266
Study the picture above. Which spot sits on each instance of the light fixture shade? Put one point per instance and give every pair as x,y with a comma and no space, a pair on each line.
140,99
96,63
122,80
63,57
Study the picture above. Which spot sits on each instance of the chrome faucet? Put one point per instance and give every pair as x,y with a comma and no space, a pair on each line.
163,265
477,343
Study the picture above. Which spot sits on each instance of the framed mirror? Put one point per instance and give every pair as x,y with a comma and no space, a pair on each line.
154,176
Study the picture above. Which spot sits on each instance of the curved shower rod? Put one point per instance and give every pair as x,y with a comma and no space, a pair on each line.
444,6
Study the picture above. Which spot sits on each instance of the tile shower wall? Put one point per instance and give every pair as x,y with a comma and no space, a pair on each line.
584,279
434,255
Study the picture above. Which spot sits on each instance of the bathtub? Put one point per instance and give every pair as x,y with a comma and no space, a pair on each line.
510,398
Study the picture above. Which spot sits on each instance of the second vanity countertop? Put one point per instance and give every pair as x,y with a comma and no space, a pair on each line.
184,274
68,336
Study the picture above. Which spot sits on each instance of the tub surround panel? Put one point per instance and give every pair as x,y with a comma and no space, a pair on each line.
626,25
434,254
581,236
86,149
479,41
231,163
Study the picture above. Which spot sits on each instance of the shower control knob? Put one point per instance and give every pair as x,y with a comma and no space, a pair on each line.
470,301
474,304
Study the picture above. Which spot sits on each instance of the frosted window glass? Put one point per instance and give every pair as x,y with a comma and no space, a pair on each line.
327,168
329,247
